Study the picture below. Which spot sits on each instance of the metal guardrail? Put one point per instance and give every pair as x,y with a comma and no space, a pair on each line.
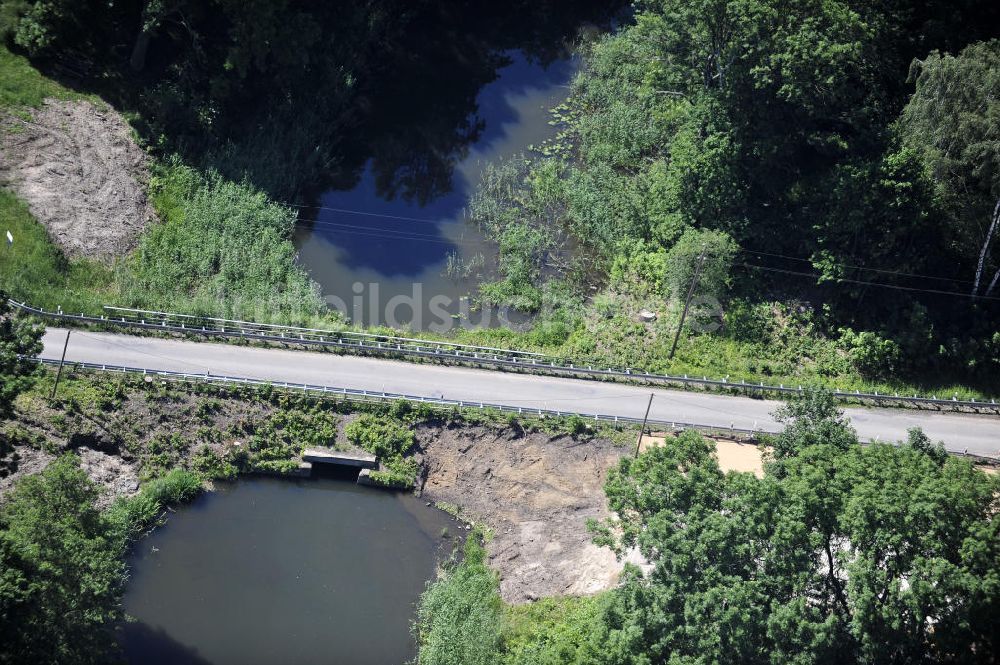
357,394
313,334
369,343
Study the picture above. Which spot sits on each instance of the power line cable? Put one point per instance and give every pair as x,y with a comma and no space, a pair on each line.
858,281
371,229
401,236
348,211
847,265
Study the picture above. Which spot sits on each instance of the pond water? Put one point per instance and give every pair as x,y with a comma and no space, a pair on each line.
382,253
284,571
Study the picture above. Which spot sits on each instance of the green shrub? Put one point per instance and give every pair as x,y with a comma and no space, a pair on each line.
554,630
872,355
177,486
398,472
212,465
576,425
275,465
459,617
749,322
682,260
383,438
389,441
133,515
279,439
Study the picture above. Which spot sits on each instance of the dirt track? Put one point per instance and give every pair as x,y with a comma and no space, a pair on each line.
81,174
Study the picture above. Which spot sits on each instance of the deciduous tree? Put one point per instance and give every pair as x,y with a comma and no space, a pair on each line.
19,341
61,572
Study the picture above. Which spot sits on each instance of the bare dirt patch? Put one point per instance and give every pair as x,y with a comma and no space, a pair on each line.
732,455
81,174
21,461
536,493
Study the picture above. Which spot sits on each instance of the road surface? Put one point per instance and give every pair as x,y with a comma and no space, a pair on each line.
979,435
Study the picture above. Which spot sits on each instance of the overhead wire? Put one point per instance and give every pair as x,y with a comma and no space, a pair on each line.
364,213
394,235
416,236
866,283
855,267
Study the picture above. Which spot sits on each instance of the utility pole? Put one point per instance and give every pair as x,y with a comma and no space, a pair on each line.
59,371
638,442
687,301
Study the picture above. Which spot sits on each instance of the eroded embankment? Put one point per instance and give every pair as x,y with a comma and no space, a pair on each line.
536,492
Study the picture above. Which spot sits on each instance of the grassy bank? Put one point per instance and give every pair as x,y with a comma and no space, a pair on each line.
34,270
221,431
21,85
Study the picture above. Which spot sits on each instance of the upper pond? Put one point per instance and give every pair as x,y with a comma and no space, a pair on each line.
383,236
284,571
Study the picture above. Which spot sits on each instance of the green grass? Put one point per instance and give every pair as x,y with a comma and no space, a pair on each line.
389,440
34,269
22,85
222,249
552,630
799,357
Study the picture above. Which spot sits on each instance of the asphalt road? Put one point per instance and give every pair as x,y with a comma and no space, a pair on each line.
975,434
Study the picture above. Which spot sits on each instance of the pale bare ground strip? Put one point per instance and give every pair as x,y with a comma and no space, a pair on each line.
81,174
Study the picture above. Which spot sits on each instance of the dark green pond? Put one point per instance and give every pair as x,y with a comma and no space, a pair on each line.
284,571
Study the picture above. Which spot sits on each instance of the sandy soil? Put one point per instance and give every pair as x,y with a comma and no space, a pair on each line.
536,493
81,174
732,455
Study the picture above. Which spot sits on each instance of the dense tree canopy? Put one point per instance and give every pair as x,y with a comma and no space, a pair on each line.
953,122
788,125
295,94
61,571
840,554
